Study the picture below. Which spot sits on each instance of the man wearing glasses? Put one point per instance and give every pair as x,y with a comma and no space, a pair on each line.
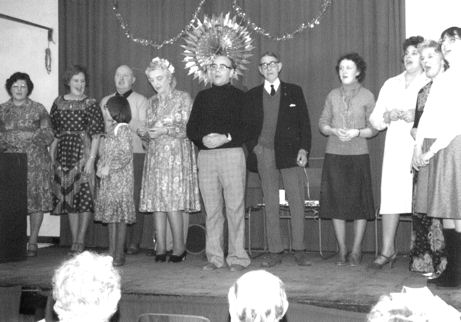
280,146
216,126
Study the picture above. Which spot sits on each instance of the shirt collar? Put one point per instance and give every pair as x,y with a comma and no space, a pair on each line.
267,85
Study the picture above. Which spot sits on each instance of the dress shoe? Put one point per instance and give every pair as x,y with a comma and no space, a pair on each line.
383,260
32,250
301,258
210,267
271,259
119,261
236,268
150,252
342,259
132,250
177,258
160,257
355,259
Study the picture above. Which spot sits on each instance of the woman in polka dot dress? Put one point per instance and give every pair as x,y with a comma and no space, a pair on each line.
77,123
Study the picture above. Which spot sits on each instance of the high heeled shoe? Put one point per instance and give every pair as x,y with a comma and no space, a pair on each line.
32,250
377,264
160,257
355,259
177,258
342,259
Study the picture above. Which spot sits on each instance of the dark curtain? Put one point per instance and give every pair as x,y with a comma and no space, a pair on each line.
89,34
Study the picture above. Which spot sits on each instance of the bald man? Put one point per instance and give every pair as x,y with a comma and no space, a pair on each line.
124,80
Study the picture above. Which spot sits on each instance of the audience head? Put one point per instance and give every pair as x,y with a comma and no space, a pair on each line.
431,57
412,305
270,66
257,296
160,74
124,79
118,108
411,57
19,86
350,68
221,70
86,288
451,44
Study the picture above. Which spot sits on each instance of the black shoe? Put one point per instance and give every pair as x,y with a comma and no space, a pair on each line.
177,258
160,257
150,252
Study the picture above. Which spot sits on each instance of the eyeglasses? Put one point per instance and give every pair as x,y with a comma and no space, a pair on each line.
266,66
19,86
215,67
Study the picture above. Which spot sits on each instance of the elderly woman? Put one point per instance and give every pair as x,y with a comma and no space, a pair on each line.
427,238
170,186
86,288
346,192
257,296
78,123
394,111
439,140
25,127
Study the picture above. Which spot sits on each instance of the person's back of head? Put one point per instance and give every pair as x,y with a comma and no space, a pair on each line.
86,288
257,296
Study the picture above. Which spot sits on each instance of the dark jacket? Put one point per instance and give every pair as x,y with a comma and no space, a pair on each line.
293,131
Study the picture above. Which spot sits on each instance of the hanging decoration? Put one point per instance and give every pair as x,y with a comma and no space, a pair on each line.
286,35
146,42
237,10
220,35
50,37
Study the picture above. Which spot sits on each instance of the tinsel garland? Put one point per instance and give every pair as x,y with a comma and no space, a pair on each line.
237,11
151,43
286,35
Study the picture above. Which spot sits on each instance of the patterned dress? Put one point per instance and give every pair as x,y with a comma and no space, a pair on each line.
114,202
27,129
170,169
74,124
427,242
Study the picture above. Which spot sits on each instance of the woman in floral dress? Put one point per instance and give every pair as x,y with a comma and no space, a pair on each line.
25,127
115,203
77,122
170,184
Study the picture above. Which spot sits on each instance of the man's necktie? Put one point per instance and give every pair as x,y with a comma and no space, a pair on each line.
272,90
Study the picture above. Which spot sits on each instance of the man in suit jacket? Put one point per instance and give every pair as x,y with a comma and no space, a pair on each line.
280,146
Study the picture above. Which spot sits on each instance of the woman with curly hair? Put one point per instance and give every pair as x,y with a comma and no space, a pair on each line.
346,192
77,123
25,127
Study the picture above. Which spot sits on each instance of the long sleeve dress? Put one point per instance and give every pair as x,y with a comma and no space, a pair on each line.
396,178
74,124
170,179
27,129
114,202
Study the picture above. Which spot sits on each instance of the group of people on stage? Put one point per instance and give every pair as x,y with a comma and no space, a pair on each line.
145,146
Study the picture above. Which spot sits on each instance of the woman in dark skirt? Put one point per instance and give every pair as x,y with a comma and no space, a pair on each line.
427,238
346,192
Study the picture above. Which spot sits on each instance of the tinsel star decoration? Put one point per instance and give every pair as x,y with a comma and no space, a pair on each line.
216,36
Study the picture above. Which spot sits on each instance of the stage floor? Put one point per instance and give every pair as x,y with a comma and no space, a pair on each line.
322,284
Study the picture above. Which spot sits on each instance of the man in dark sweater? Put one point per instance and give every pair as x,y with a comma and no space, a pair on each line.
280,147
216,125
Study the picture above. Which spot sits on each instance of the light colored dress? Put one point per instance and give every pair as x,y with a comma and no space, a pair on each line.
170,169
114,202
396,178
27,129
